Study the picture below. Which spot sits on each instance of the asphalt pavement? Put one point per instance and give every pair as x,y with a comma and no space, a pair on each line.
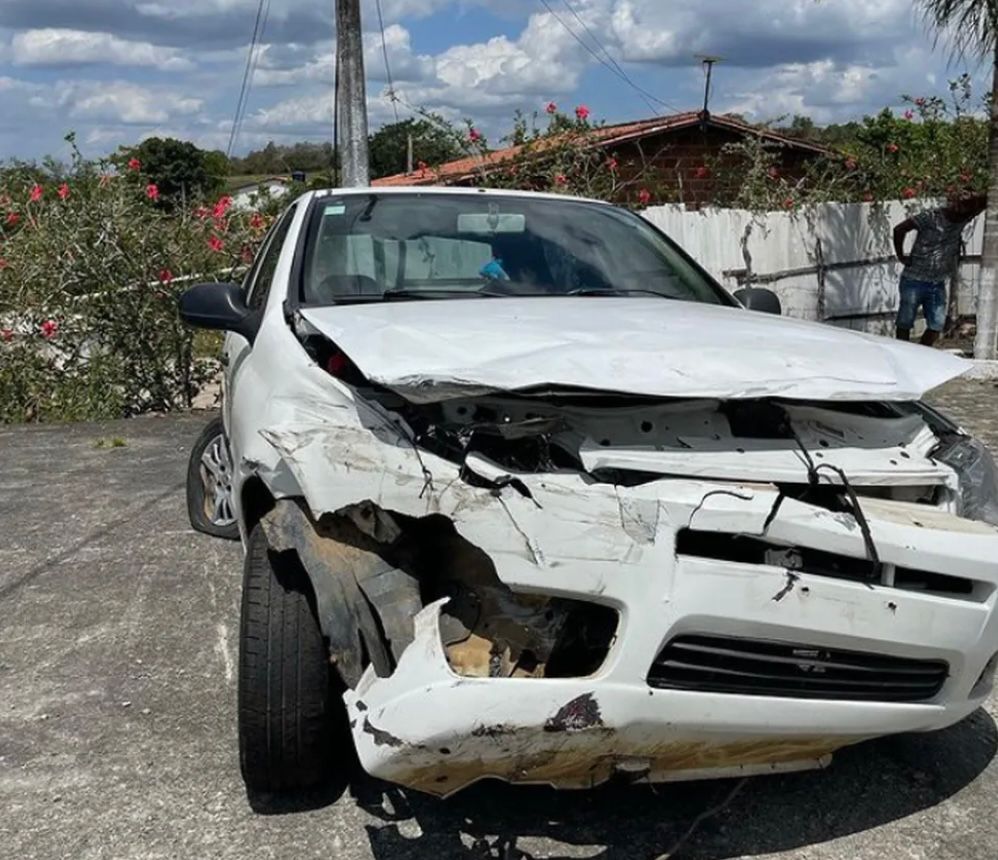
117,694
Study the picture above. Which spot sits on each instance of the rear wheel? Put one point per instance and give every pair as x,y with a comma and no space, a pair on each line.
209,484
291,720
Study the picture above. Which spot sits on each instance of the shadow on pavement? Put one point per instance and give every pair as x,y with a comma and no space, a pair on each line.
866,786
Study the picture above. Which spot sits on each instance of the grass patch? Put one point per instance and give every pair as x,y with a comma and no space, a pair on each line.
112,442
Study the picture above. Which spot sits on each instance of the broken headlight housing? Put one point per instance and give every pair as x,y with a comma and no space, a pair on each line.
975,466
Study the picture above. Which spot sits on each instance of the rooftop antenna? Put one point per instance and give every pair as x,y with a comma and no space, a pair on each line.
708,61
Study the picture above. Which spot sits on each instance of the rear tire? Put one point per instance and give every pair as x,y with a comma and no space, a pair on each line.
289,715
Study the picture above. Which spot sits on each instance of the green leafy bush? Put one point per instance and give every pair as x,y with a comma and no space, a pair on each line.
91,269
935,148
560,153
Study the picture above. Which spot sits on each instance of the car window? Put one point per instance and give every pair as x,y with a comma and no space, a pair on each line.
368,246
429,260
266,264
250,278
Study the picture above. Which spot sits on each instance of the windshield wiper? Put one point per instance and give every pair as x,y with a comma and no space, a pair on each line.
391,295
598,291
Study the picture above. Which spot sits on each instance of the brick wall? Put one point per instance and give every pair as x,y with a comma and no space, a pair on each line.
680,158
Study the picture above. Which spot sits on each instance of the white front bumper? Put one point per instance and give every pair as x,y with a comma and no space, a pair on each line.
431,729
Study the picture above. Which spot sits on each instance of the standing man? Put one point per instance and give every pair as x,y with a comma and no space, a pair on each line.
935,253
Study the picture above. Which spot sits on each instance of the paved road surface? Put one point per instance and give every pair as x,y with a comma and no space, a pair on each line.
117,734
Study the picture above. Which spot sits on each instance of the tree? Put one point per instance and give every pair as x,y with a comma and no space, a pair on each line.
275,159
971,26
801,126
75,230
181,171
218,165
432,143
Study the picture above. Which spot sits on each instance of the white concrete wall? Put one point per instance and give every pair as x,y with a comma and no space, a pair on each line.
779,241
249,198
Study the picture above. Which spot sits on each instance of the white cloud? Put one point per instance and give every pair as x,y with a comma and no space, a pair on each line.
757,33
11,85
174,9
830,91
309,113
393,10
501,74
281,66
123,102
486,79
641,42
834,60
543,59
60,47
289,65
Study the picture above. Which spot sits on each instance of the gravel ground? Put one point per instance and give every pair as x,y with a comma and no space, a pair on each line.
117,731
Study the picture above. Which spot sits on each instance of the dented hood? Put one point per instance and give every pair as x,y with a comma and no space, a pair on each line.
428,350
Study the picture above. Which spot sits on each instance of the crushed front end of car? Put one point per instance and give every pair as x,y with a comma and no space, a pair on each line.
561,585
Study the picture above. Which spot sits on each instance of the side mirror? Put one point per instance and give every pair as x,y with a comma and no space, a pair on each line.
221,307
757,299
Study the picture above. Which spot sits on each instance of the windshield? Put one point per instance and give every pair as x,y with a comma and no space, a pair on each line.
412,246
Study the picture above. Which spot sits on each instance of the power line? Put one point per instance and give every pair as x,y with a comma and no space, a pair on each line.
610,66
645,95
256,63
247,72
578,38
388,67
423,114
592,36
252,62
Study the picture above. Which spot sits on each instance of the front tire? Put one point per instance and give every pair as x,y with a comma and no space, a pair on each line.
209,484
289,715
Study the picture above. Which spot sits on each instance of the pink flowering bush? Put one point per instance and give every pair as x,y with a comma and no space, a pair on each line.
91,272
933,149
560,153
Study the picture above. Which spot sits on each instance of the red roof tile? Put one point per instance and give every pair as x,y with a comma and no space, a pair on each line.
610,135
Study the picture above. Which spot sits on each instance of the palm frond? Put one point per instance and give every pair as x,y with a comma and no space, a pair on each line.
970,27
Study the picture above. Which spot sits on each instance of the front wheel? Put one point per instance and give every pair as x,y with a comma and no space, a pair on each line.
291,720
209,484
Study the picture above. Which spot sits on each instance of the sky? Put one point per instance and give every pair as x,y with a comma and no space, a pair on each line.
117,71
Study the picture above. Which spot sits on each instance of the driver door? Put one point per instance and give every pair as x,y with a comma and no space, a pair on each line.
256,287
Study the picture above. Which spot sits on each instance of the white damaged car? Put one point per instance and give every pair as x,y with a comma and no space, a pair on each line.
525,494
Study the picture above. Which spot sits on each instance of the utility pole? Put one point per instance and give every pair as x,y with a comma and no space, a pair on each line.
351,96
408,155
986,340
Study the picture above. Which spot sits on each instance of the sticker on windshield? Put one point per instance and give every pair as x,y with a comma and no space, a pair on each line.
338,209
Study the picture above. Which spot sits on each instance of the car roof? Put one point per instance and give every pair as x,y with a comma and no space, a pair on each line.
423,190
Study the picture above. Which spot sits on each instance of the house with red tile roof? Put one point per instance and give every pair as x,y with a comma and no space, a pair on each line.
679,148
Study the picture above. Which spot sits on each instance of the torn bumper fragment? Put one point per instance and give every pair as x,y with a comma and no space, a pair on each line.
564,626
